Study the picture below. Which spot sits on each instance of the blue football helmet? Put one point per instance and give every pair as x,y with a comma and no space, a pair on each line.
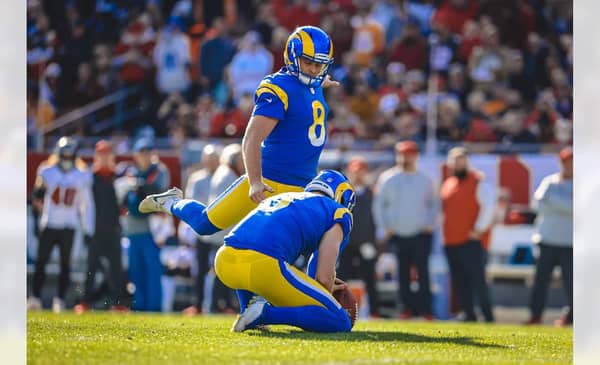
313,44
335,185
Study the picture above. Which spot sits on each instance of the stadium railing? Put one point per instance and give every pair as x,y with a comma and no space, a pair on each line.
89,115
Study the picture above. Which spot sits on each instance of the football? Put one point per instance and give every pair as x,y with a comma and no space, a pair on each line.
347,300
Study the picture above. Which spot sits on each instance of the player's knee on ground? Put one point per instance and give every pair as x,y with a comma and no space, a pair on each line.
325,320
344,321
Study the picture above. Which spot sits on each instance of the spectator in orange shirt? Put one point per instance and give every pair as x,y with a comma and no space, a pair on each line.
364,103
468,208
368,40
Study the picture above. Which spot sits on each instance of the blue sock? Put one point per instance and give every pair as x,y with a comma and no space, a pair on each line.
244,297
194,213
310,318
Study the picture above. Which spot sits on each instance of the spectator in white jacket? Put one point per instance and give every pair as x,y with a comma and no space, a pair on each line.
554,202
249,65
405,209
172,60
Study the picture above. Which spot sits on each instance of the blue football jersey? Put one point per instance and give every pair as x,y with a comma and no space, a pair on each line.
288,225
290,154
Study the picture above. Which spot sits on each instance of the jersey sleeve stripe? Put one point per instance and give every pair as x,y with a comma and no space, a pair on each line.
339,213
273,89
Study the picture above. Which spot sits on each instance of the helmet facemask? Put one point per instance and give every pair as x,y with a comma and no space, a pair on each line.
66,162
309,80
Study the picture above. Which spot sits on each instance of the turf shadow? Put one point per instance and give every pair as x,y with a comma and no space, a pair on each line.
375,336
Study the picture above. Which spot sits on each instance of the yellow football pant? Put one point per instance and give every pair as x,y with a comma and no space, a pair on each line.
234,203
275,280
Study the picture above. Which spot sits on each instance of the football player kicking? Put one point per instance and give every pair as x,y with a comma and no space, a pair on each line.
282,143
257,257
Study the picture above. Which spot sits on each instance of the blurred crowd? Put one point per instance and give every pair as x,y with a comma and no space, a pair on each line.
487,70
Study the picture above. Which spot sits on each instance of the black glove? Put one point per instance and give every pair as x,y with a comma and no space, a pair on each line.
87,239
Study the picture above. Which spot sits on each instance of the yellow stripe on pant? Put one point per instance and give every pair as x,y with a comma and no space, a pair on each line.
234,203
262,274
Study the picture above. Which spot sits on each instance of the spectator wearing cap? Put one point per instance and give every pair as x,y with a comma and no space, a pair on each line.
404,208
468,211
249,65
146,176
198,188
553,200
359,256
106,242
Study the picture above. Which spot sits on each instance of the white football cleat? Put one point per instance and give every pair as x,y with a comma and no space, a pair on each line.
252,313
34,304
262,327
58,305
157,203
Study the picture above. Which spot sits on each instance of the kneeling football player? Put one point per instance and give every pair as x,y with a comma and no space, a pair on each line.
257,257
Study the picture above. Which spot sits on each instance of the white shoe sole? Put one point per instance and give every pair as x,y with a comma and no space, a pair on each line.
251,314
34,306
152,203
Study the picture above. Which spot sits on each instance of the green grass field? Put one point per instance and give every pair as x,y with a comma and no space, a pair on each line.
106,338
